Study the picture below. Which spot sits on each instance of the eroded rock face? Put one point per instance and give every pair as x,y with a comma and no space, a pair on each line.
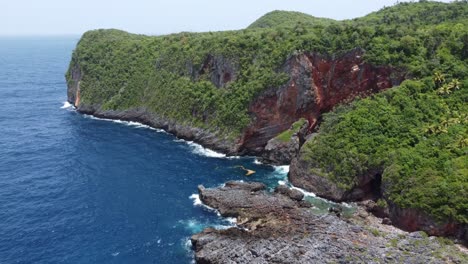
220,70
317,83
301,175
411,219
73,91
281,153
279,227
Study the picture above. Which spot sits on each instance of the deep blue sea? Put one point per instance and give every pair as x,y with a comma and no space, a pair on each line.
74,189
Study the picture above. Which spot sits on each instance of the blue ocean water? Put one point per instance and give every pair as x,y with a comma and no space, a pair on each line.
74,189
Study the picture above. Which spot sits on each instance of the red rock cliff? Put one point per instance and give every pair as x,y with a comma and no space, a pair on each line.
317,83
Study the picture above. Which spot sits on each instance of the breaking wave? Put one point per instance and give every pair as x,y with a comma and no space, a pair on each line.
67,105
200,150
127,123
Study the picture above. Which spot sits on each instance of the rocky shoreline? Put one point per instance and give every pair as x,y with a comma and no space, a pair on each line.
203,137
279,227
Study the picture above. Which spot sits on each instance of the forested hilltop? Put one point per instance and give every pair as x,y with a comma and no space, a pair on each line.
407,146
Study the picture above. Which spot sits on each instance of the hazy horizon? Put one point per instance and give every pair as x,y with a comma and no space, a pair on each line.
59,18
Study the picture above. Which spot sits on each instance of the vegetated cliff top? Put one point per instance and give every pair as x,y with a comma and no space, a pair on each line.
279,18
423,12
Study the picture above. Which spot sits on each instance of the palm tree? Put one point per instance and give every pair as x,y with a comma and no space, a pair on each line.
439,79
455,84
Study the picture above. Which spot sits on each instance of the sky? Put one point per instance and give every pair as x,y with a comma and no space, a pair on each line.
156,17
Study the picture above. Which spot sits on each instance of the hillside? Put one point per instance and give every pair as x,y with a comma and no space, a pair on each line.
289,19
236,90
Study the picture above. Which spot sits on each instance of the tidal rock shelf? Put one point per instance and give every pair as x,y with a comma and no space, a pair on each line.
280,227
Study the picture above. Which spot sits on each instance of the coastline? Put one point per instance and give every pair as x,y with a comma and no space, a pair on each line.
207,139
361,217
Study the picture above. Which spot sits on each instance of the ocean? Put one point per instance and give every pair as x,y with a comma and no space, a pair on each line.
77,189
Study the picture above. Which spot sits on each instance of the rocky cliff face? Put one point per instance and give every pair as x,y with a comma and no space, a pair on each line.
317,83
280,152
367,186
411,219
73,91
219,69
370,186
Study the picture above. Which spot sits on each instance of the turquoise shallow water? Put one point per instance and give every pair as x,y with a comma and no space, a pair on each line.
74,189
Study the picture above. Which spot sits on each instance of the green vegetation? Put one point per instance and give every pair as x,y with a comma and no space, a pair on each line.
286,135
411,135
415,135
375,232
284,19
382,203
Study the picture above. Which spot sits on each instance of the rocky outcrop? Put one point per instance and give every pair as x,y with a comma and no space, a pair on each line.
279,227
317,83
369,187
281,152
302,176
412,219
219,69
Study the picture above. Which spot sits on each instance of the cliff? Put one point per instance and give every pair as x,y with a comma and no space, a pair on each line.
316,84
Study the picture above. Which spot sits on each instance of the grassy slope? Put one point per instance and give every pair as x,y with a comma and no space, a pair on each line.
123,70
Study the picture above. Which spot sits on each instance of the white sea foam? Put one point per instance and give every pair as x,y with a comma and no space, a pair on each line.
232,220
196,199
306,193
282,183
282,169
287,183
67,105
347,205
115,254
196,148
197,202
200,150
187,245
311,194
127,123
257,162
193,225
